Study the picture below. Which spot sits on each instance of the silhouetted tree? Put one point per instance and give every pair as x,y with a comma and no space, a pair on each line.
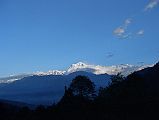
67,97
117,78
82,86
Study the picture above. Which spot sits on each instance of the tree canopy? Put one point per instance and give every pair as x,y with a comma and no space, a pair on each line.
82,86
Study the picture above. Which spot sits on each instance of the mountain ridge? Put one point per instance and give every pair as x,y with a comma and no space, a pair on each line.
125,69
45,89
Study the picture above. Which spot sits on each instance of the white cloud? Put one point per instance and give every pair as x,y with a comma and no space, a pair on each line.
152,4
121,31
127,36
127,22
140,32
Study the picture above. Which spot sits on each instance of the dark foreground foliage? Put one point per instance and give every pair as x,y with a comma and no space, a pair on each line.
133,98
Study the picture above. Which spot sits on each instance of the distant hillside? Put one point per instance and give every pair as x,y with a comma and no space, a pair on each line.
45,89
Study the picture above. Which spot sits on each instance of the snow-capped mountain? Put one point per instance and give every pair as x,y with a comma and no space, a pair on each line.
124,69
50,72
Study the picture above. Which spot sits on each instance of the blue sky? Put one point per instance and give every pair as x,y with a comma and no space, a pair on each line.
38,35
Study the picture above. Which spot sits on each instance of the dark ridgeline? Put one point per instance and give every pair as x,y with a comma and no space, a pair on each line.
135,97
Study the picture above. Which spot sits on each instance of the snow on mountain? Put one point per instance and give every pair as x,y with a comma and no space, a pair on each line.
125,69
50,72
13,78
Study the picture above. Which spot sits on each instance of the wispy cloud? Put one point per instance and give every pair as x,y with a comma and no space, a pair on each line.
127,22
140,32
121,31
152,4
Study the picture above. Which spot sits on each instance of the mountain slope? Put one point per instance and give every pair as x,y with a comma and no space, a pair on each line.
141,87
151,79
45,89
135,98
